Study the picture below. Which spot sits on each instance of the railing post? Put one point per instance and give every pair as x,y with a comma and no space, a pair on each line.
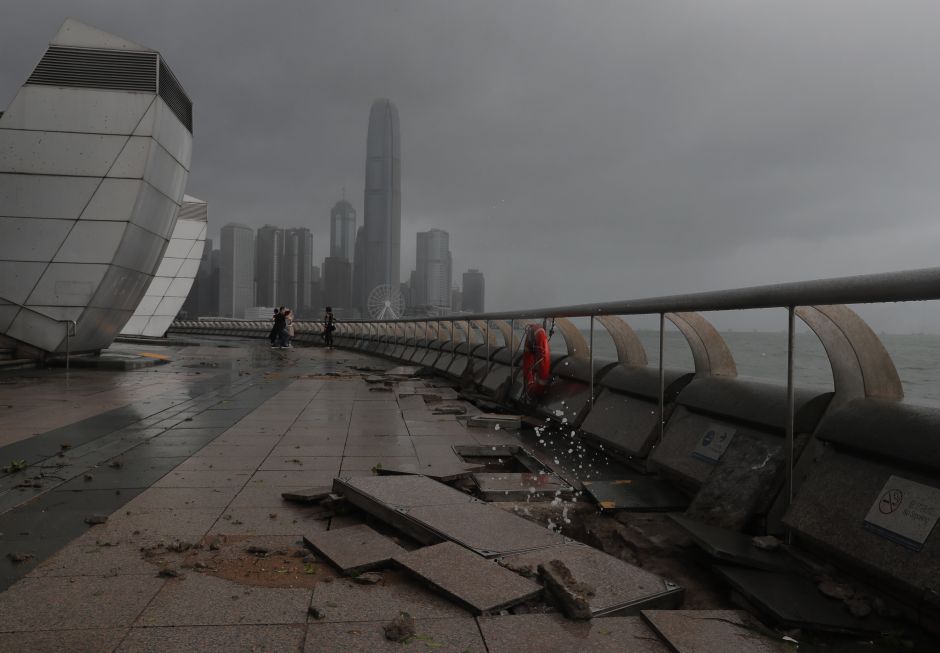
512,351
68,349
486,336
662,377
791,405
469,342
591,347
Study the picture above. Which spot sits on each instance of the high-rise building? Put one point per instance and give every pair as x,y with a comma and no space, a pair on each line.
343,230
382,202
473,291
359,272
433,273
456,300
237,270
296,270
204,295
337,282
269,261
316,289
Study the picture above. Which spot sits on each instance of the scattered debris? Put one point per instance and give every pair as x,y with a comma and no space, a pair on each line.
572,596
259,551
15,466
449,410
169,572
216,542
316,612
94,520
115,464
380,388
368,578
88,477
178,547
401,628
19,557
835,590
766,542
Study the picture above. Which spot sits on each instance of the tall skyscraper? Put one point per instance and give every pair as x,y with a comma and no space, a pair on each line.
337,282
237,270
382,202
473,291
296,270
358,272
343,230
269,260
433,272
204,295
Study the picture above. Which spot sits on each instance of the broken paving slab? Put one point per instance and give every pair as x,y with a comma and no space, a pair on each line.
795,602
619,588
354,549
478,584
444,472
728,631
552,633
521,486
643,494
495,421
485,529
312,495
731,546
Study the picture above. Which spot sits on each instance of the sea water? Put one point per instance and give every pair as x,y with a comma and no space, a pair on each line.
763,356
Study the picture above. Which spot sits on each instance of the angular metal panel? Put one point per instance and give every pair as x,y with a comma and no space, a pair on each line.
31,240
44,196
58,153
91,241
76,110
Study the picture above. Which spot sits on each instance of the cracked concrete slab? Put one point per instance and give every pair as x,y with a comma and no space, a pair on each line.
354,549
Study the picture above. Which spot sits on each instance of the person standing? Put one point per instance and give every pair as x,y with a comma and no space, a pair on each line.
280,327
329,326
273,335
288,327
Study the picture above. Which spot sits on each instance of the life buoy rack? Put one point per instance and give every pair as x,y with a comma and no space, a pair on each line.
536,361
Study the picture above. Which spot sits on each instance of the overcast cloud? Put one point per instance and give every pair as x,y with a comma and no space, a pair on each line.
575,151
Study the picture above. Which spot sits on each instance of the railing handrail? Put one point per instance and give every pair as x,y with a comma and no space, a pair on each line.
69,321
903,286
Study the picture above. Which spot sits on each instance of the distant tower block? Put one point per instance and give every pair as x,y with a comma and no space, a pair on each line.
342,230
382,203
94,156
169,289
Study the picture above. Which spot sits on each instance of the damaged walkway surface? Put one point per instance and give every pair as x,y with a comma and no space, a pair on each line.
240,498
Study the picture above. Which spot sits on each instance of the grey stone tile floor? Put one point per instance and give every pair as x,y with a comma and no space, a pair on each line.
241,425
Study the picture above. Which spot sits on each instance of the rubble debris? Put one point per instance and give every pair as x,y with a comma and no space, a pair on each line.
94,520
169,572
178,546
312,495
401,628
19,557
448,409
368,578
316,612
766,542
572,596
259,551
835,590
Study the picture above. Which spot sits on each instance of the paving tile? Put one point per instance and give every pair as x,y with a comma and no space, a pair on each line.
59,641
457,635
307,450
732,546
211,478
201,600
551,633
405,491
618,586
354,549
151,526
479,584
637,495
298,463
292,478
37,603
343,600
520,486
180,498
368,462
89,555
287,520
219,464
729,631
265,496
484,528
214,639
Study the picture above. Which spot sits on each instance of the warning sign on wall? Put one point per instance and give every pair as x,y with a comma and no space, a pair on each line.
713,443
905,512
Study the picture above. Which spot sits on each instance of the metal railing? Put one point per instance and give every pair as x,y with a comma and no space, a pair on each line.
903,286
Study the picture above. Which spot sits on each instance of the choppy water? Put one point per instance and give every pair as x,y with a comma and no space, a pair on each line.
764,356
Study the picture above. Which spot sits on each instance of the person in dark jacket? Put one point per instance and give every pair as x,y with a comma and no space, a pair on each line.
329,326
273,335
280,327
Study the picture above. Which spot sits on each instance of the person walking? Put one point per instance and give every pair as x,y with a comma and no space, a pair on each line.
273,335
329,326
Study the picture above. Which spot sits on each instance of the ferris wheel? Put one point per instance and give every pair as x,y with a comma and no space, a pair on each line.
385,303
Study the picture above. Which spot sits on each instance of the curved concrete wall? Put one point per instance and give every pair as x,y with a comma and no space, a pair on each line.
94,156
175,276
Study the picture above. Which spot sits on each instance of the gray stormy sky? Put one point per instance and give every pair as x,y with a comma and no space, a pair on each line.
575,151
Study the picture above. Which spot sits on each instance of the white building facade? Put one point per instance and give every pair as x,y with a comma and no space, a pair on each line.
94,156
175,276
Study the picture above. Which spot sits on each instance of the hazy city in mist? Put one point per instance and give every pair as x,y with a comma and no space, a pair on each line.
573,152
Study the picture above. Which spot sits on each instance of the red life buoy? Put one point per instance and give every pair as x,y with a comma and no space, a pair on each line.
536,361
